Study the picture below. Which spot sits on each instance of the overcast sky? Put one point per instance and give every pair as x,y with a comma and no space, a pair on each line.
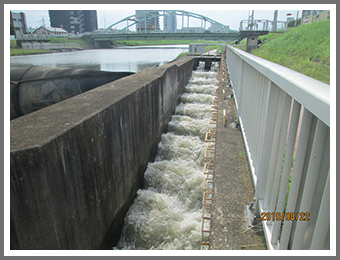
108,14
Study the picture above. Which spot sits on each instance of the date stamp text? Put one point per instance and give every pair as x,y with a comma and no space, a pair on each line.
288,216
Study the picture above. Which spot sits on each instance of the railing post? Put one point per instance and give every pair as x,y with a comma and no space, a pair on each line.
294,121
266,139
296,178
323,219
310,182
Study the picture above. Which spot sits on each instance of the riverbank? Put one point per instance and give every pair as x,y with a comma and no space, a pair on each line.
84,45
305,49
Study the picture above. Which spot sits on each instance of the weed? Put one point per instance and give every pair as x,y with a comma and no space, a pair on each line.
241,154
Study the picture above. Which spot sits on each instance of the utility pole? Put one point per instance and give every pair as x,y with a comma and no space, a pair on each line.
275,21
104,20
297,14
252,19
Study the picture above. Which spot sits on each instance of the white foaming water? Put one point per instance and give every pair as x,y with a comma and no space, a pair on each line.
167,212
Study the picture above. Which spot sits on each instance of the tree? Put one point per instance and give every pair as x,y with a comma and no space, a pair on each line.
292,23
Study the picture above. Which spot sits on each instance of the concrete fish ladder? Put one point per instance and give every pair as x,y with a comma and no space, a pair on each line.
76,165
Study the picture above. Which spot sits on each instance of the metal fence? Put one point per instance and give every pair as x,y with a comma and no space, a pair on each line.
285,122
263,25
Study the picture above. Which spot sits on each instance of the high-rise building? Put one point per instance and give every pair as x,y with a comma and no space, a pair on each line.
149,20
74,21
170,22
90,20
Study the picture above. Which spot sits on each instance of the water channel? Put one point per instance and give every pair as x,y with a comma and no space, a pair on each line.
167,212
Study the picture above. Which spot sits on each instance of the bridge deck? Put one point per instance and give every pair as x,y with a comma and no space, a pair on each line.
102,37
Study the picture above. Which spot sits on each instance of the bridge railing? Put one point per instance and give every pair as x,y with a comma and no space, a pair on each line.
285,122
263,25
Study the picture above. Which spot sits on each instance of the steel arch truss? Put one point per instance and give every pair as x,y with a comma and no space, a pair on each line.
152,14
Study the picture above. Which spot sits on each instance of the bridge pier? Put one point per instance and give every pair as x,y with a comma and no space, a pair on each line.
207,64
252,42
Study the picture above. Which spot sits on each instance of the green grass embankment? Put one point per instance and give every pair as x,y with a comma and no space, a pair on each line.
15,50
305,49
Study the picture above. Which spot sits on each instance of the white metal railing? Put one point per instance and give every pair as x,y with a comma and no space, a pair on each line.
263,25
285,122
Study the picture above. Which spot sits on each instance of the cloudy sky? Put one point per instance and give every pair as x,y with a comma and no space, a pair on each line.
228,14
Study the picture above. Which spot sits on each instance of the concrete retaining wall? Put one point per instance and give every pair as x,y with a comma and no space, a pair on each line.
76,165
49,46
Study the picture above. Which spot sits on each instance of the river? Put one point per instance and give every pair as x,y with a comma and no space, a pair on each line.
130,59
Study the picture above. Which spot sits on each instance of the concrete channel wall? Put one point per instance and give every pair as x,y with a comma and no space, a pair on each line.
76,165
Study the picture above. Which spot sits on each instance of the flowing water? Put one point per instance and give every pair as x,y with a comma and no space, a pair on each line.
167,212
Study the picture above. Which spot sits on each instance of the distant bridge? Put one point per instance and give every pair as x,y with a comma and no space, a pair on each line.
106,39
146,27
148,22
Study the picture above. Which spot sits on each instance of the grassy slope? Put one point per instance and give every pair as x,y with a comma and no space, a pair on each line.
305,49
14,50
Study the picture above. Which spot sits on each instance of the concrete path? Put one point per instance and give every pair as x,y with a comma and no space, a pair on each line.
232,184
211,52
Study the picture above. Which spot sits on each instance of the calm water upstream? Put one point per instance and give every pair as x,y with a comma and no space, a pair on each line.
167,212
133,59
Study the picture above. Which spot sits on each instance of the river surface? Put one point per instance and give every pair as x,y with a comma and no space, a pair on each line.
167,212
132,59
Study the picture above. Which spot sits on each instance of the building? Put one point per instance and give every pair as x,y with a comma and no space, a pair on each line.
149,21
74,21
90,20
170,22
18,22
312,16
50,31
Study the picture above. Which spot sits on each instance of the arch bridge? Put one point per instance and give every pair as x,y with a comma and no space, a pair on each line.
145,25
148,21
